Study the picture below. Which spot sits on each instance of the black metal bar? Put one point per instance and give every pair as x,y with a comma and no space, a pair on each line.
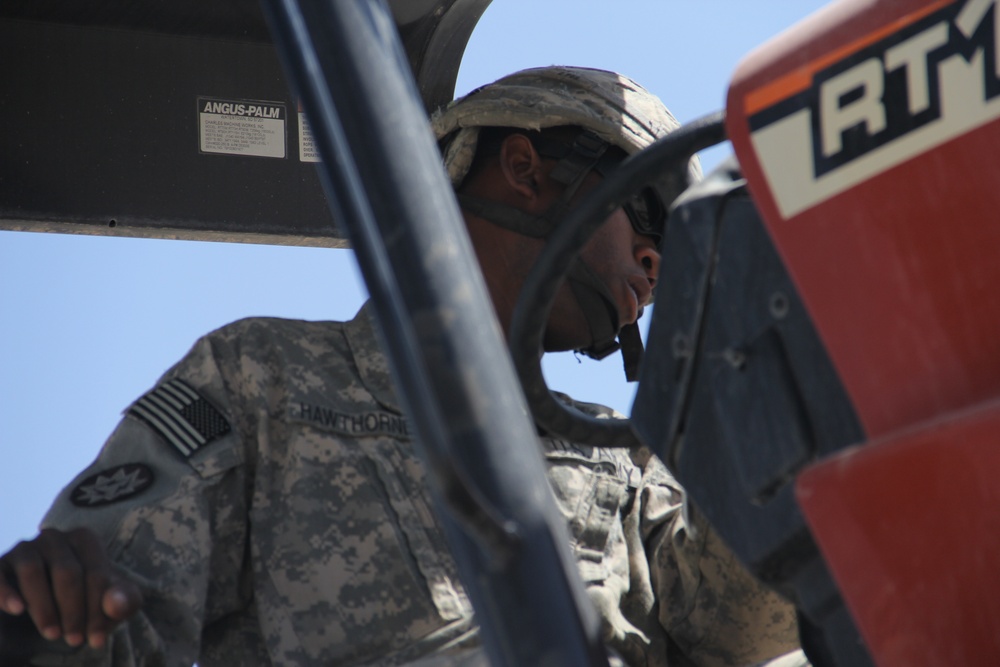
538,294
387,187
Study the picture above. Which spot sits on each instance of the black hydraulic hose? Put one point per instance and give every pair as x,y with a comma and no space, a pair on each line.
531,314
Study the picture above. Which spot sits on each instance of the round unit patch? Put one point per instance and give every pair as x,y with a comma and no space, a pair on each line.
112,485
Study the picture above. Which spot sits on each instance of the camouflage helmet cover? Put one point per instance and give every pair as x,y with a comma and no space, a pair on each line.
612,106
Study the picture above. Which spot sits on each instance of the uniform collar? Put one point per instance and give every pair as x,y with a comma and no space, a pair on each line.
373,365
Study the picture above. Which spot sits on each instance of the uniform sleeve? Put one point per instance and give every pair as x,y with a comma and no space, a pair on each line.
167,496
714,611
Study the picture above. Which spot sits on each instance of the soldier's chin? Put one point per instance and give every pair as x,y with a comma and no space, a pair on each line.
557,340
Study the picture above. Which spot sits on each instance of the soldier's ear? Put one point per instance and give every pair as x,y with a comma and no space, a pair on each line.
521,165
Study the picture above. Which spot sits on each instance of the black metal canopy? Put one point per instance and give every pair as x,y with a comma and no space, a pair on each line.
120,118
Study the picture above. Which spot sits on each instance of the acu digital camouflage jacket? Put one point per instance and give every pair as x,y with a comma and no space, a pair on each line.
267,498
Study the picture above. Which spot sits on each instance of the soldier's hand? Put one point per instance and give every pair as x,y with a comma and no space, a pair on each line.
66,584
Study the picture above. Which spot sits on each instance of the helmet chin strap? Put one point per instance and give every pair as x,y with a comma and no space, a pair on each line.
592,295
574,162
598,306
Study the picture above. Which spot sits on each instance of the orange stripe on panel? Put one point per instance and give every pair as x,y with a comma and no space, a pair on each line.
801,78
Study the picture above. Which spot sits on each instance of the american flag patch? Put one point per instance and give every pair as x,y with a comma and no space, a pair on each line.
181,416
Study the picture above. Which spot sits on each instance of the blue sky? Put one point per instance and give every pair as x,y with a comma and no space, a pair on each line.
87,324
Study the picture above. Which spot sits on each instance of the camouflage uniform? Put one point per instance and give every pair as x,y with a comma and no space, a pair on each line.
267,499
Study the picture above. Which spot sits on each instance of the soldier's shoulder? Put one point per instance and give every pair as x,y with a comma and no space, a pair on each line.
280,326
589,409
271,331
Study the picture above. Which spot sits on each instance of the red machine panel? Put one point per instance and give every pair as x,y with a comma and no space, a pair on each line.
910,528
870,141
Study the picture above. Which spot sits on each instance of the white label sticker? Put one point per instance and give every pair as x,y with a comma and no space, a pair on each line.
241,127
307,145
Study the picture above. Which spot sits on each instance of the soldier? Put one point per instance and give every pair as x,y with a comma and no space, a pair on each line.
263,503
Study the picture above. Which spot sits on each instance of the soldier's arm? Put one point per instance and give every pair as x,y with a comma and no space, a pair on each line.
67,585
712,608
159,516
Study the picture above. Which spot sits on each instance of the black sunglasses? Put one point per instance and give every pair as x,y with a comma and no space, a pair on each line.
646,212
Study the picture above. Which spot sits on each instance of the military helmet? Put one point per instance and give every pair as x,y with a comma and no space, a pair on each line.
612,106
